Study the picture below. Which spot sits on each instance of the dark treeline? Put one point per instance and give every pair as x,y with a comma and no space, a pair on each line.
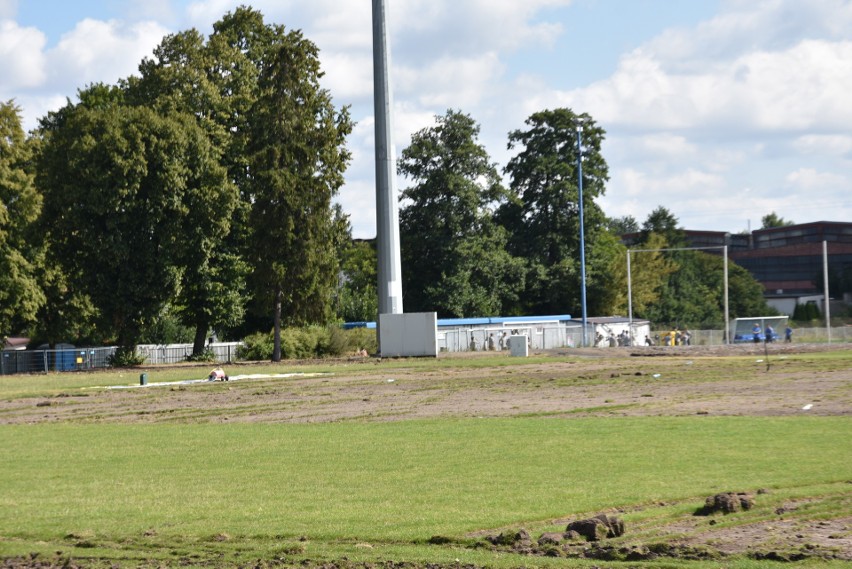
197,196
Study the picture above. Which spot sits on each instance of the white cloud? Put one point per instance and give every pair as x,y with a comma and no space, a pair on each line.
344,26
102,51
359,201
463,27
688,191
203,13
449,82
803,87
664,146
838,145
348,76
751,25
21,57
808,179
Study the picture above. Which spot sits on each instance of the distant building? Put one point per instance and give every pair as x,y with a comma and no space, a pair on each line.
787,261
542,332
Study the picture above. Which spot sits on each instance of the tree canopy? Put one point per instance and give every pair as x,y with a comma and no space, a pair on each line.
124,186
686,287
542,214
20,247
297,156
454,255
211,175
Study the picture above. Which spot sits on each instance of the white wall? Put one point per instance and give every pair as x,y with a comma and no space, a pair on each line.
411,334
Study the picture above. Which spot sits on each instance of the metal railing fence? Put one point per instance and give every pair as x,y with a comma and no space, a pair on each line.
220,352
64,359
454,340
75,359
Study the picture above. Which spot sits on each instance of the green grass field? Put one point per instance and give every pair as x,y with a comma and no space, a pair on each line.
224,494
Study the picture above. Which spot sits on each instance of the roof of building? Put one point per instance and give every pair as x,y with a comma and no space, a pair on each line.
16,343
613,320
481,321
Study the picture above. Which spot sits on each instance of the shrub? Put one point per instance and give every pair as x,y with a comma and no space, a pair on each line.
125,357
361,338
256,346
206,356
806,312
332,342
309,342
298,343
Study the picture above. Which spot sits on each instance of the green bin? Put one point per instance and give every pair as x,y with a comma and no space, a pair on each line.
143,379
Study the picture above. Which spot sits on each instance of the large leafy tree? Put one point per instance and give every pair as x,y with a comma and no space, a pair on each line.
543,214
687,297
185,76
684,297
120,182
693,294
454,255
296,159
745,293
687,286
20,204
243,75
650,269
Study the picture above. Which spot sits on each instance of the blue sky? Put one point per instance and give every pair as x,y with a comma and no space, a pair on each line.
720,110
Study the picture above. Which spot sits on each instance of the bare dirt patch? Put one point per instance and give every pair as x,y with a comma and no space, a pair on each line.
582,382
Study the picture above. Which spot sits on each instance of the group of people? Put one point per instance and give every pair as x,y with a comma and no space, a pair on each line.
491,343
677,337
613,341
770,335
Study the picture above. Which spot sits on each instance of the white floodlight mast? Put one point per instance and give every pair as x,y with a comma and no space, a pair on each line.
387,206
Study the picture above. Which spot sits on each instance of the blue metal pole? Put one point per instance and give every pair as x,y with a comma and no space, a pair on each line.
582,229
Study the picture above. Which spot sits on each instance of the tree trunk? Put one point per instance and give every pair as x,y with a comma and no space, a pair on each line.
276,349
200,341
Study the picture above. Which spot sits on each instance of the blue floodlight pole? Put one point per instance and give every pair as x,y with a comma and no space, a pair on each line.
582,230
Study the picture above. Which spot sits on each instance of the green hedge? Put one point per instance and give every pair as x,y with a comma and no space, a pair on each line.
309,342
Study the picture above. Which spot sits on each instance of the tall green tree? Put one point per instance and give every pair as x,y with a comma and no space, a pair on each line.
688,297
650,270
185,75
689,284
664,223
20,249
745,293
296,157
454,256
543,212
683,296
119,183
